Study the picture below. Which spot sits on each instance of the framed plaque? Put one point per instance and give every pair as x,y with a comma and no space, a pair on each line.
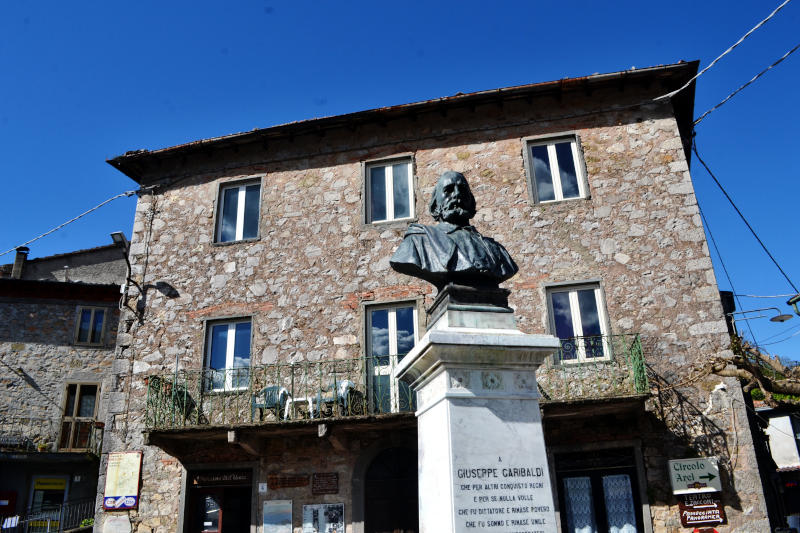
122,481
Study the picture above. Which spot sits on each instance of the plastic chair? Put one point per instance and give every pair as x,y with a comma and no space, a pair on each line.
272,398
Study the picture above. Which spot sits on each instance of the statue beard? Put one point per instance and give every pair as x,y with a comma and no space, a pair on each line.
454,214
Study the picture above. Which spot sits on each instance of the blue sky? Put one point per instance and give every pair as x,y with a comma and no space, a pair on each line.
86,81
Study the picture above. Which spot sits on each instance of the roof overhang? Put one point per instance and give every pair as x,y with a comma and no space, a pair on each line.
138,164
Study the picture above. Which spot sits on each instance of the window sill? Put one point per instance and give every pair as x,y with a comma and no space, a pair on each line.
389,224
560,202
577,363
231,243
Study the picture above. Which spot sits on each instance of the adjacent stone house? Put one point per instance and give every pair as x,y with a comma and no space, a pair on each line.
257,366
58,323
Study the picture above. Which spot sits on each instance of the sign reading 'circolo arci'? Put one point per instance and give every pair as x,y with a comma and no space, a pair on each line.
693,476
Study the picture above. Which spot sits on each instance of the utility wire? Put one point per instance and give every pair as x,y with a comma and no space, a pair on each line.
734,93
98,206
694,149
782,340
726,52
771,296
724,269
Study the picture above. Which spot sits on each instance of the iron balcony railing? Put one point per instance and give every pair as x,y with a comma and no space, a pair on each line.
276,393
72,516
598,367
36,434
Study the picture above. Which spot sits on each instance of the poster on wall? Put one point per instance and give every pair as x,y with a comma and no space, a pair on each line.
122,481
278,516
323,518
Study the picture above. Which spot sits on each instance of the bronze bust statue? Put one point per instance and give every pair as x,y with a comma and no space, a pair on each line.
452,251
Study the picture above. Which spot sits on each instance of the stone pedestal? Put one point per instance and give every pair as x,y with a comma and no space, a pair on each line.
482,461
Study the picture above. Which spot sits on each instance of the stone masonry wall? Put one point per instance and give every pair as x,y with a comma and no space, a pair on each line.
39,358
639,233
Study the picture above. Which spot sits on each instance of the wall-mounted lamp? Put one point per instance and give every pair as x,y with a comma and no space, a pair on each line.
793,301
779,317
120,240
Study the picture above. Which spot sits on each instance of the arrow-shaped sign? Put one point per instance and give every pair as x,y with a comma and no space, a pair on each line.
708,476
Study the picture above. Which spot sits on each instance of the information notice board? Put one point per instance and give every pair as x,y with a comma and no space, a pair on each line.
122,481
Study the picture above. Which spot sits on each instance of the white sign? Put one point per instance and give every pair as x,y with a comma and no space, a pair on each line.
693,476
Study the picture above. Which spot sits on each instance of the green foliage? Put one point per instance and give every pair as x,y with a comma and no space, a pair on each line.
758,395
87,522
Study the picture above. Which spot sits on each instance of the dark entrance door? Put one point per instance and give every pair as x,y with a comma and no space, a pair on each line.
390,493
219,502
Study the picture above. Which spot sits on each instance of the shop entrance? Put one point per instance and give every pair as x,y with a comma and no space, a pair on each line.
219,502
390,493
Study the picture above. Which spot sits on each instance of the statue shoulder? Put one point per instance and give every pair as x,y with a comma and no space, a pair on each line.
416,229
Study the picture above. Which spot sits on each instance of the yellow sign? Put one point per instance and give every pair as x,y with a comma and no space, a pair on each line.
50,483
122,480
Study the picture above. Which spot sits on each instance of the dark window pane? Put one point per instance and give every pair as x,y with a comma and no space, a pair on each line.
208,514
541,173
252,194
377,193
63,442
381,394
70,406
562,316
401,192
219,346
230,202
87,400
97,327
566,170
85,325
405,330
379,334
82,432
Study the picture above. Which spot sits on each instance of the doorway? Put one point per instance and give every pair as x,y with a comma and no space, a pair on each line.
390,492
219,502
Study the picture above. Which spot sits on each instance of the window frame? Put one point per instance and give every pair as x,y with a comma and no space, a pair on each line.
73,419
380,370
366,178
578,160
229,355
219,206
93,309
572,289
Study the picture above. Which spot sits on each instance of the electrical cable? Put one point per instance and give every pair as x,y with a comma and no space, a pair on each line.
782,340
98,206
694,149
734,93
723,54
784,332
764,296
724,268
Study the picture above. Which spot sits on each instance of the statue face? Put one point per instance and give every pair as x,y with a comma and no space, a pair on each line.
455,201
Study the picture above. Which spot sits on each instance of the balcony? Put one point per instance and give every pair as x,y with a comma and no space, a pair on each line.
276,394
601,368
32,434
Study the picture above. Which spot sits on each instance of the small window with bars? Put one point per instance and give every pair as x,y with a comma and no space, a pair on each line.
80,408
90,329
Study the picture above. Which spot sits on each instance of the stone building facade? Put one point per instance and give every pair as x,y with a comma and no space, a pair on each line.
57,338
257,366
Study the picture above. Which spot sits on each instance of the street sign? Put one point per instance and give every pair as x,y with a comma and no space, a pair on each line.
694,476
701,510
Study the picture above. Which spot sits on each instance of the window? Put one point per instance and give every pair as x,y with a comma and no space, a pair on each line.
391,334
555,170
79,416
237,215
598,492
89,329
578,319
228,355
390,191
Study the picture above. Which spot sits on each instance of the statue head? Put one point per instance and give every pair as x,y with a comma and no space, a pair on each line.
452,200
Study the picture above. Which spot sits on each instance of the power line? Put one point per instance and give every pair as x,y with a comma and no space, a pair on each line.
770,296
726,52
782,340
694,149
734,93
724,268
46,233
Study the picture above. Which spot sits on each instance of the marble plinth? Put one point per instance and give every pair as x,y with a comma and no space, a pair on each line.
482,461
